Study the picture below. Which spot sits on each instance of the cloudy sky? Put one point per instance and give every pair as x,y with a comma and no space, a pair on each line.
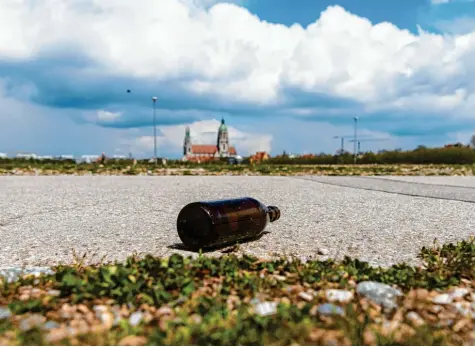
285,74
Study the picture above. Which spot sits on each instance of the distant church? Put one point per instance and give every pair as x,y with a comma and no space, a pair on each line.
200,153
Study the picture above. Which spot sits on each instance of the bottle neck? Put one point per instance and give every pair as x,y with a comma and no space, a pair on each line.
273,213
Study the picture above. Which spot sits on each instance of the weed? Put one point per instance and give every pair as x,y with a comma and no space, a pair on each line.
207,300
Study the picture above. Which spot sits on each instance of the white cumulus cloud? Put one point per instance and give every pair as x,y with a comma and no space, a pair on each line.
107,116
227,52
221,52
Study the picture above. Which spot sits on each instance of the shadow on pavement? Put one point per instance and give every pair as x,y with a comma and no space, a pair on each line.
226,248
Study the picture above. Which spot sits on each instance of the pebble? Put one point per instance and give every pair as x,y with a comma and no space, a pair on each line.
117,317
54,292
264,308
448,298
31,322
323,251
107,319
458,293
442,299
338,295
133,341
5,313
164,311
380,293
135,318
436,309
306,296
415,318
465,309
100,309
329,309
56,335
50,325
280,278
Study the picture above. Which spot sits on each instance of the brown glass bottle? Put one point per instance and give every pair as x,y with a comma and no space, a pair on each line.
211,224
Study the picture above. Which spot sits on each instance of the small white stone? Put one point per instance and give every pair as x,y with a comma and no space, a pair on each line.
100,308
464,309
415,318
380,293
305,296
266,308
330,309
338,295
135,318
459,293
5,313
50,325
323,251
54,292
31,322
442,299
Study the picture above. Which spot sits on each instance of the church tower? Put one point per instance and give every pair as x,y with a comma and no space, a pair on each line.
223,139
187,142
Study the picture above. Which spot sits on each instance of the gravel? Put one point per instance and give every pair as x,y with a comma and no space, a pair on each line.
43,219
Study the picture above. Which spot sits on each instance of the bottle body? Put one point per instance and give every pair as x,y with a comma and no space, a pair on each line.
210,224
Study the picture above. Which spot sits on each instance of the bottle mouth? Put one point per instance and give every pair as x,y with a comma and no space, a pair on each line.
274,213
194,226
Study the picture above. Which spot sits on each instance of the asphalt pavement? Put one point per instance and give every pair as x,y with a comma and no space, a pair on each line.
383,220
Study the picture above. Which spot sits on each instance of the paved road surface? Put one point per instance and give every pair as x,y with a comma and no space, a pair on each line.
381,220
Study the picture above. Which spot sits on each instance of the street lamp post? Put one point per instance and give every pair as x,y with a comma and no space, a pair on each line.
342,143
154,99
354,143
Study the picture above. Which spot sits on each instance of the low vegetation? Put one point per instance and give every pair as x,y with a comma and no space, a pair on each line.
422,161
178,169
244,300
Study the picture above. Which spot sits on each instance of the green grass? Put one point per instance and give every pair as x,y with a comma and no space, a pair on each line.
209,299
265,168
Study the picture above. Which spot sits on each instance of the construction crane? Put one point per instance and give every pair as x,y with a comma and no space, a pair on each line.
343,141
366,140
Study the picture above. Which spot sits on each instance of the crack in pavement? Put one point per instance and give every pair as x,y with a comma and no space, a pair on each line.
421,183
332,181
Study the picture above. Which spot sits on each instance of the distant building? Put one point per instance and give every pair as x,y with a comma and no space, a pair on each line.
259,157
458,144
65,157
199,153
88,159
26,156
306,156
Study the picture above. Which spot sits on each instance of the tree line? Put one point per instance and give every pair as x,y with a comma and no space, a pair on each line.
456,155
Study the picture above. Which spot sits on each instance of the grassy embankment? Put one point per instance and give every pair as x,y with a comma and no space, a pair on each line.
178,301
39,168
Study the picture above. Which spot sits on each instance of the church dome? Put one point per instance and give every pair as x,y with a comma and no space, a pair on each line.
223,126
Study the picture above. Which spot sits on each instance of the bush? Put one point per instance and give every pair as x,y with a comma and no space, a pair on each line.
421,155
